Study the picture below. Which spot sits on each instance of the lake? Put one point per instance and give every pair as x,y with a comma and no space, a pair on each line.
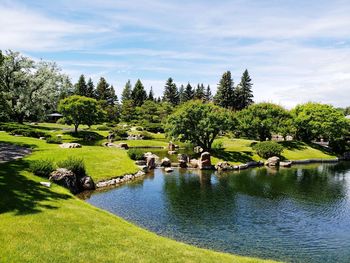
298,214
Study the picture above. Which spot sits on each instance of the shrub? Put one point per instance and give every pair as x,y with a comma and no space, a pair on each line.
56,140
153,127
61,121
29,132
146,135
76,165
103,128
119,132
42,168
136,154
268,149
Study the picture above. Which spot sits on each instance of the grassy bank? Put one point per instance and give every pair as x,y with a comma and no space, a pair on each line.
41,224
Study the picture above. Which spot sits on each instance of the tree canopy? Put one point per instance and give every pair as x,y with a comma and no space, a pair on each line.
138,94
198,123
171,93
225,93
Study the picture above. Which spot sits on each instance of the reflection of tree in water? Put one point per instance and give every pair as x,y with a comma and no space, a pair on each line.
316,183
195,196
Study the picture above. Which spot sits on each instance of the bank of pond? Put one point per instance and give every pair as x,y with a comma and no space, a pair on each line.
298,214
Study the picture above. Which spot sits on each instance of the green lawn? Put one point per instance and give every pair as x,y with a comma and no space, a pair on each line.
40,224
101,162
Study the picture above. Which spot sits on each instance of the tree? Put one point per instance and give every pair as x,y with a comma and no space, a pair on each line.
198,123
128,111
347,111
244,95
138,94
188,93
126,94
181,94
224,96
151,95
80,88
90,89
171,94
199,93
316,121
208,96
28,88
260,121
106,92
80,110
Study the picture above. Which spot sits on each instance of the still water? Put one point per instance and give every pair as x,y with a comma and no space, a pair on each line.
299,214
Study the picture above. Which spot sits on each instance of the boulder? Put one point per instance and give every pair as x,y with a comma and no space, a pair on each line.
273,161
172,152
70,145
171,146
205,162
194,163
140,162
144,168
66,179
286,164
169,169
223,166
151,162
165,162
86,183
123,145
183,160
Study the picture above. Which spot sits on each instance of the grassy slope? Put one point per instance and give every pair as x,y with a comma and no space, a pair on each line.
40,224
101,162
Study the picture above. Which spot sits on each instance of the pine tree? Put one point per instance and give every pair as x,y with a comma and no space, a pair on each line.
90,90
171,94
208,96
199,93
102,89
188,92
126,94
150,94
112,98
181,94
244,95
80,88
224,96
138,94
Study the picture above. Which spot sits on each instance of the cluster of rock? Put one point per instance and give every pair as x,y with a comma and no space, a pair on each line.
120,180
275,161
122,145
70,145
226,166
73,182
172,148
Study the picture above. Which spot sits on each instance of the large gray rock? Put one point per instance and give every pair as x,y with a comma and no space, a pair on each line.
205,162
223,166
165,162
70,145
66,179
151,162
273,161
183,160
86,183
171,146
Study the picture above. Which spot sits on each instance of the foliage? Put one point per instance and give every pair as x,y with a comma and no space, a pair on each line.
260,121
29,89
128,111
171,93
126,94
199,93
43,167
150,95
119,132
153,127
54,140
106,92
208,95
225,93
198,123
218,145
29,132
80,110
316,120
76,165
138,94
268,149
80,88
136,154
243,92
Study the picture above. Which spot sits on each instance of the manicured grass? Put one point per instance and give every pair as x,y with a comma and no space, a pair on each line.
40,224
144,143
101,162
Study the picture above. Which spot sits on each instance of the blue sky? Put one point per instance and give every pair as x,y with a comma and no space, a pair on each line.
295,51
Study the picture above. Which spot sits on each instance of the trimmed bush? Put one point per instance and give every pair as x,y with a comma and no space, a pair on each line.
76,165
146,135
28,132
42,168
136,154
103,128
268,149
119,132
153,127
55,140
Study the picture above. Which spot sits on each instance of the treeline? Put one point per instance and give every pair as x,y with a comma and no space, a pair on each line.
30,90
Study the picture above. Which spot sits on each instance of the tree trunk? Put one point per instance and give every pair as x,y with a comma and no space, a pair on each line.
76,128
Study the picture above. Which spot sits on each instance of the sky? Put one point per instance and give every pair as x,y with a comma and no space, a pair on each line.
295,51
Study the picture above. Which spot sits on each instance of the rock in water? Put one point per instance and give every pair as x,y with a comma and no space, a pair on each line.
183,160
169,170
273,161
165,162
151,162
223,166
66,179
205,162
86,183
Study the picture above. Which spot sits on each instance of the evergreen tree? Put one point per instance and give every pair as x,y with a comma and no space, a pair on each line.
138,94
159,100
126,94
171,94
150,94
224,96
208,96
244,95
112,97
90,90
80,88
106,92
188,93
199,93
